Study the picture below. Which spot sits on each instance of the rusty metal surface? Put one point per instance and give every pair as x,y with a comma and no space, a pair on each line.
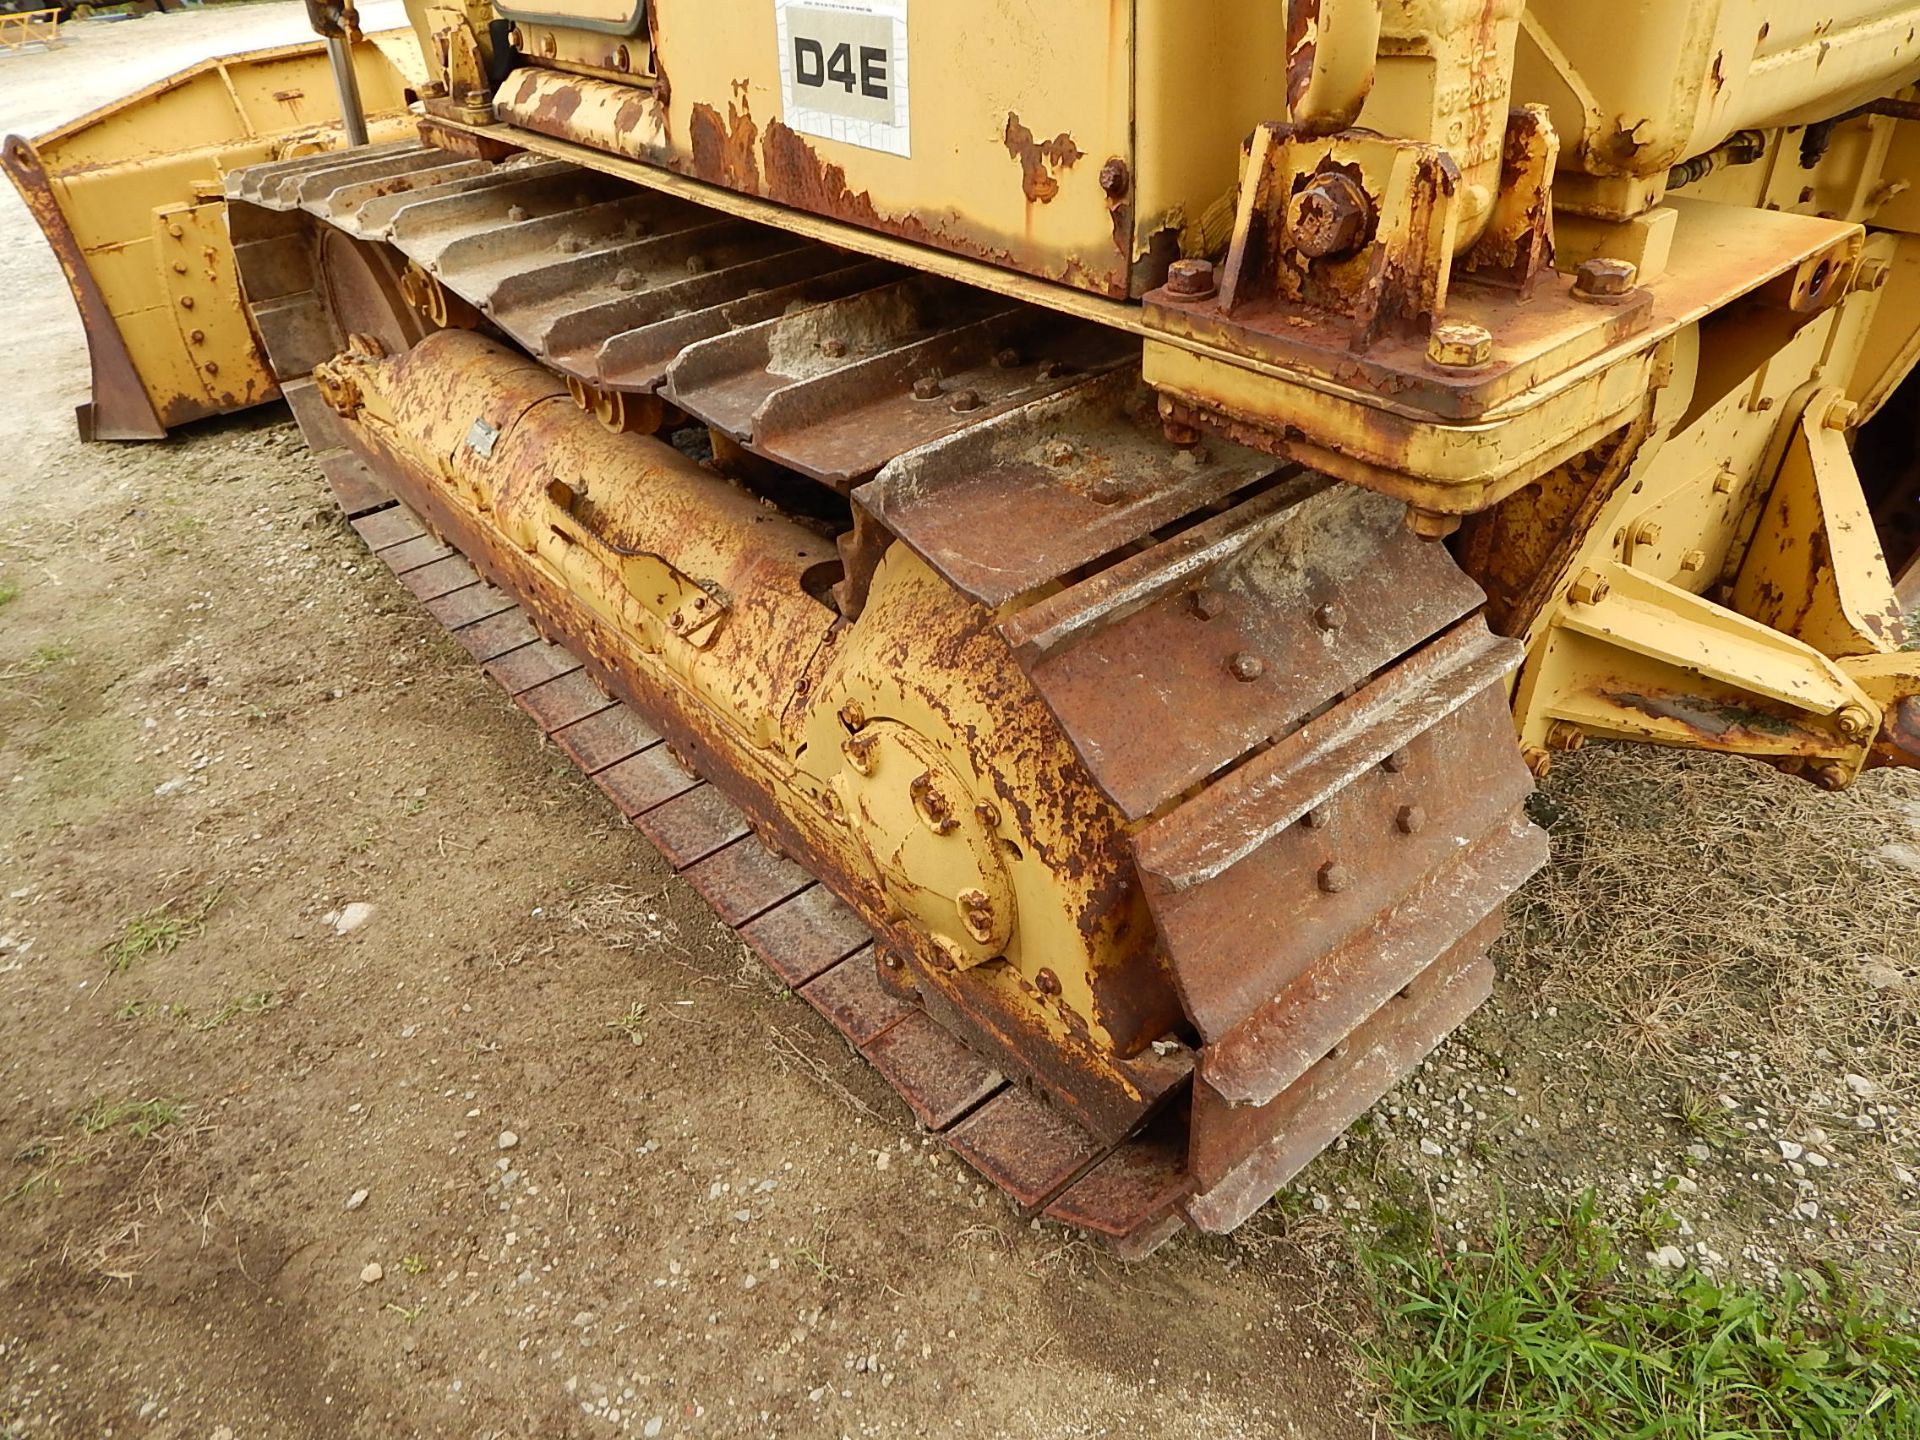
1059,482
1242,1155
606,738
746,878
469,604
1315,589
645,780
1266,874
1026,1149
1132,1196
495,635
121,409
806,935
938,1077
530,665
854,1001
693,824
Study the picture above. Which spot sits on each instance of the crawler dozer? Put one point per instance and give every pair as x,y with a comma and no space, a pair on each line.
1078,526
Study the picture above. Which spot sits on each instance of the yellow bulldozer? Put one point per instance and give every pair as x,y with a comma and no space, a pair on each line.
1077,526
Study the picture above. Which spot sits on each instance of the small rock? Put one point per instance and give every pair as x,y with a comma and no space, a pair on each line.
350,918
373,1274
170,787
1684,1186
1669,1257
1700,1152
507,1140
653,1426
1817,1160
1862,1087
1430,1148
1790,1149
356,1200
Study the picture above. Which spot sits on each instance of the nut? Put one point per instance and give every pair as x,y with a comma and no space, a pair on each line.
1460,345
1431,524
1192,279
1589,587
1604,281
1330,218
1855,723
1538,761
927,387
1566,736
1841,414
1047,981
1395,762
1008,359
1645,533
1247,666
965,400
1693,560
1334,877
1209,602
1330,616
1115,178
833,348
1411,819
1108,490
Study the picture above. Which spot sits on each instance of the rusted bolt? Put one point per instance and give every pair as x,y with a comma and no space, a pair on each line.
570,244
859,752
676,622
964,401
852,715
1330,217
1411,820
1539,762
1108,490
1841,414
932,805
1208,602
186,302
1396,762
1431,524
1317,818
179,268
1115,177
1008,359
1055,369
1604,281
1192,279
1871,275
1460,345
212,367
1179,433
1247,666
891,959
516,213
1589,587
1047,982
988,814
1693,560
927,387
1566,736
1335,877
198,337
621,59
1855,723
976,913
699,602
833,349
1830,776
1330,616
627,278
696,264
1059,454
1645,533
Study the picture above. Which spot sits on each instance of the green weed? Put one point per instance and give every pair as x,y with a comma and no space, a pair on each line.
253,1004
1548,1333
140,1119
158,932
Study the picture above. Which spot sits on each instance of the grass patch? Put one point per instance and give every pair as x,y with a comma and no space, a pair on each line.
9,592
158,932
256,1003
1548,1333
138,1119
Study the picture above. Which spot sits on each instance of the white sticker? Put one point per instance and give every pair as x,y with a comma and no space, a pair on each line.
843,71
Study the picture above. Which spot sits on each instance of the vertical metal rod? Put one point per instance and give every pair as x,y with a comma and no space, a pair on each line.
347,85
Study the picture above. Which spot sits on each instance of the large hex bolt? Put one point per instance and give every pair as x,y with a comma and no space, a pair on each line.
1460,345
1855,723
1605,282
1192,279
1329,219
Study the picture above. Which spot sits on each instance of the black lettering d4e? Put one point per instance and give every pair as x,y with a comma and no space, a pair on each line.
809,62
873,72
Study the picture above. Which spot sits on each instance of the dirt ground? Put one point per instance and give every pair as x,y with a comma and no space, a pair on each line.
612,1180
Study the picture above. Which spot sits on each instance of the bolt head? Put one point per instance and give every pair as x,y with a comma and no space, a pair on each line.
1693,560
1590,587
1601,279
1008,359
965,400
1539,762
1330,616
927,387
1460,345
1842,414
1329,219
1335,877
1192,279
1247,666
1646,533
1855,723
1115,178
1108,490
833,349
1047,981
1411,820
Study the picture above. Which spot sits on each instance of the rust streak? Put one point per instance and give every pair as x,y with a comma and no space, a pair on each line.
1039,182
